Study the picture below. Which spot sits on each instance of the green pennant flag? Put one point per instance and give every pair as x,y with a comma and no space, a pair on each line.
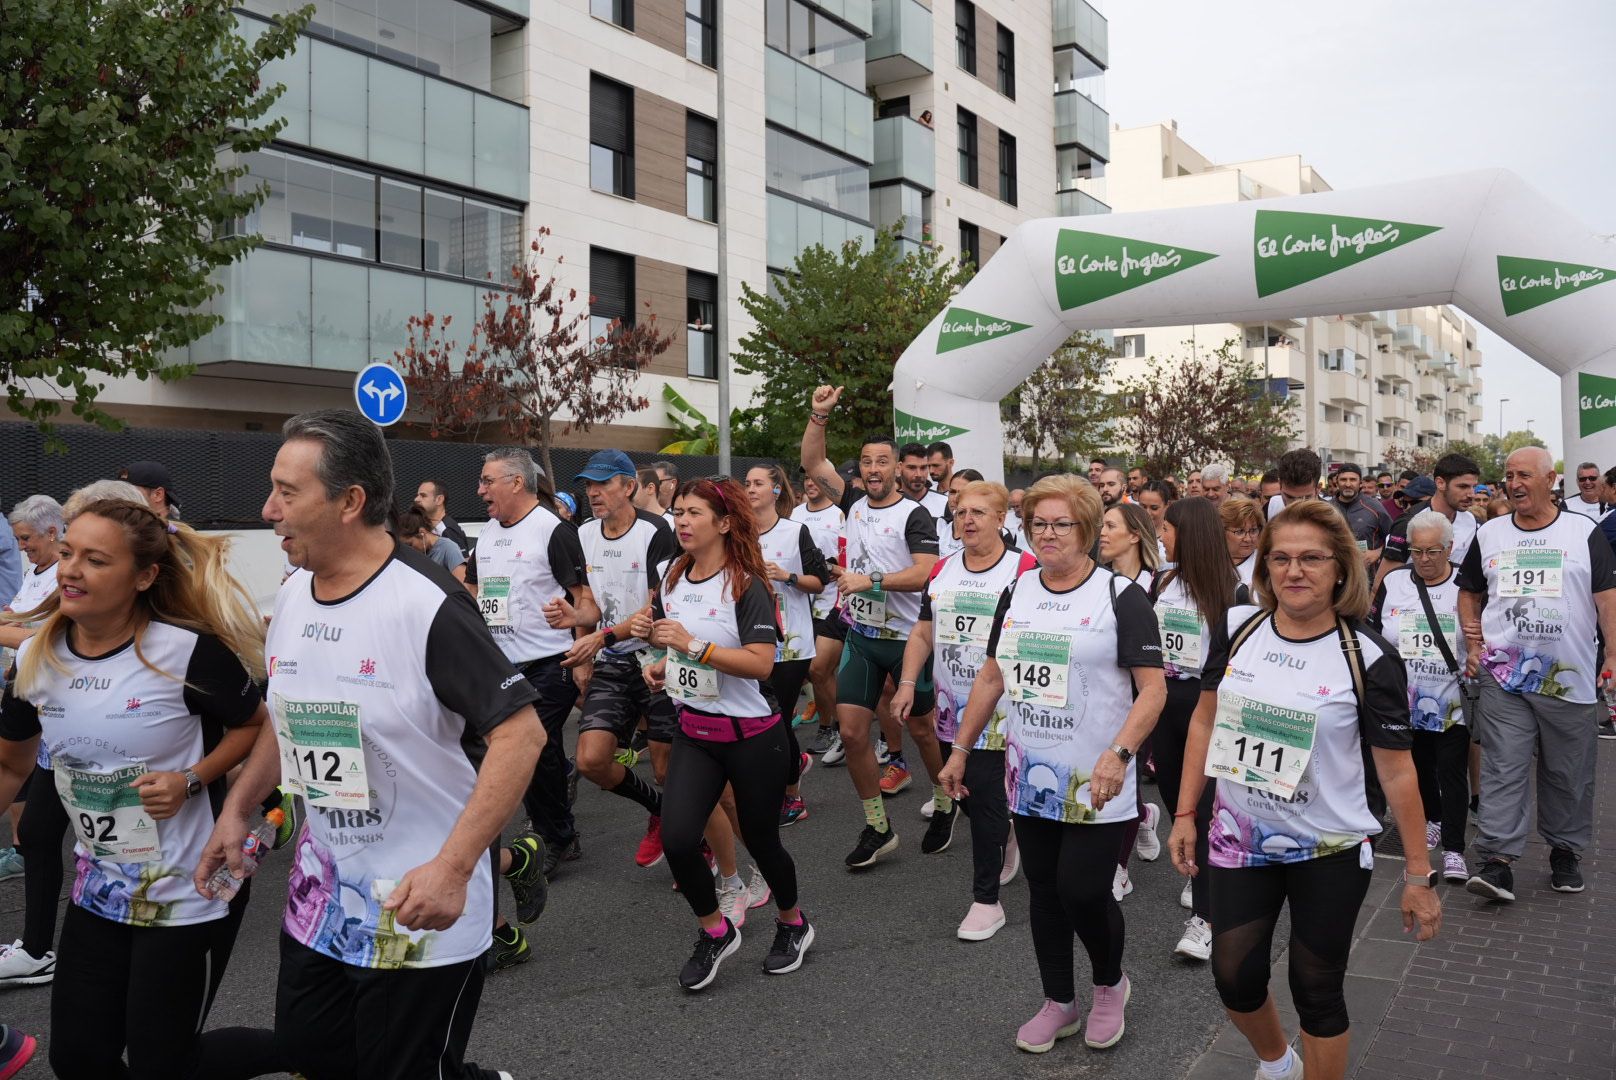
1292,249
962,327
1528,283
1596,403
912,428
1093,266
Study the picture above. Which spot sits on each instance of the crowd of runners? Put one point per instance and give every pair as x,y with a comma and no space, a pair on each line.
1254,675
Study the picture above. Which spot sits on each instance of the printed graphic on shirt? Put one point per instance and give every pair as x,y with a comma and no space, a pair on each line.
886,538
1434,700
961,605
620,569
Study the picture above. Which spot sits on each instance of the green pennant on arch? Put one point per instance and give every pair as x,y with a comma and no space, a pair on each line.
1291,249
1093,266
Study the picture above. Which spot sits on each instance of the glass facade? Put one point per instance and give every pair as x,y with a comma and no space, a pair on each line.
892,203
818,107
794,226
814,174
817,40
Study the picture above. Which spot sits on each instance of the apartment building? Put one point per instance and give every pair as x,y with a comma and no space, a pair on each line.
1365,384
426,141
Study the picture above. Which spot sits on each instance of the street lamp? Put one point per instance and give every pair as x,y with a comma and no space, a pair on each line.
1501,403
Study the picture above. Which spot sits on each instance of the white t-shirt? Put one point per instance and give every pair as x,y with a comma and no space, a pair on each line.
520,568
107,721
1399,616
790,546
886,538
1464,533
1595,510
1539,619
1067,659
36,588
709,611
1274,684
961,605
1247,569
408,660
1185,640
825,526
622,569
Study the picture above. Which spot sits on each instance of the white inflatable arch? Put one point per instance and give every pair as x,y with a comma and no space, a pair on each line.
1482,241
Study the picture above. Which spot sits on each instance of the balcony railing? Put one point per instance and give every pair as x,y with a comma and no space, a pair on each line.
905,150
1078,24
900,47
1080,121
1076,203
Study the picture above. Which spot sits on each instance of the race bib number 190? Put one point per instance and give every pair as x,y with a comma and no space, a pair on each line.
1415,640
322,753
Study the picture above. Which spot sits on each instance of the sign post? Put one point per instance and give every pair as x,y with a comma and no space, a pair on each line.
380,394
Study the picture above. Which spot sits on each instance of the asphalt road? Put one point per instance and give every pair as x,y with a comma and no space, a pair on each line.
886,990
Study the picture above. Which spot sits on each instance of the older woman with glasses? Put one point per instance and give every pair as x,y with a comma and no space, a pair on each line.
1242,524
1076,648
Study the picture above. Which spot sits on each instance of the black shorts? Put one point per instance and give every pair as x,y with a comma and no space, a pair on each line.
831,627
618,698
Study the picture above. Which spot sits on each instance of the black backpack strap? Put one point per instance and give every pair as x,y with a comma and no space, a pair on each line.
1352,649
1430,616
1244,631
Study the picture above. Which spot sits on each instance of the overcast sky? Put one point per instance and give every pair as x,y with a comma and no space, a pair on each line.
1373,91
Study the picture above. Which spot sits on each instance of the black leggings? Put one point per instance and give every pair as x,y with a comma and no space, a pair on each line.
1324,896
786,683
757,770
144,990
1442,763
989,811
1172,731
39,842
1069,870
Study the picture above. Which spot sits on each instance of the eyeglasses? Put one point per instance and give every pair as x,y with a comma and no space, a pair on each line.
1428,553
972,512
1313,561
490,481
1244,534
1587,479
1059,528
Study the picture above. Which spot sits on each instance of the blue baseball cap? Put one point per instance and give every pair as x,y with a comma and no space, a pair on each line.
568,501
605,464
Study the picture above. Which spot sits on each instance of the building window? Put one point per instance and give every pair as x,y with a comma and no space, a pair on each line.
400,221
967,147
965,34
620,12
1007,168
1007,63
611,291
701,167
701,31
970,244
1129,346
810,173
611,137
701,317
816,39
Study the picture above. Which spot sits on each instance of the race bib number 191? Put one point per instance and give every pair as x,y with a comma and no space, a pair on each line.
1530,572
322,753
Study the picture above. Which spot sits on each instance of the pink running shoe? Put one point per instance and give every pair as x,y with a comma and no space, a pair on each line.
1105,1019
1053,1022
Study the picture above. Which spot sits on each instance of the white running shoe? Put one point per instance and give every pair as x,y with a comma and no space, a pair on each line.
19,967
1148,846
1121,883
757,889
928,808
835,754
1012,860
1292,1073
732,903
1196,944
1186,899
882,755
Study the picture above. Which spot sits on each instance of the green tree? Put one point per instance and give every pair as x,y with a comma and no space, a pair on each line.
842,318
113,115
1063,405
1492,452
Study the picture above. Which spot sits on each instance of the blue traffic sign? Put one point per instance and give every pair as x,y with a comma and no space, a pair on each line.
381,395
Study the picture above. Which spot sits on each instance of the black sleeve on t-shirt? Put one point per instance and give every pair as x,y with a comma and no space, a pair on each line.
567,560
920,532
850,495
217,686
1396,547
1138,633
1471,578
19,720
1384,718
467,671
1601,561
471,567
657,610
663,546
813,560
754,615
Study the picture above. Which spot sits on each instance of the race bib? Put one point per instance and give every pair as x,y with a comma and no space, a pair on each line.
965,618
1363,545
868,608
322,754
690,682
1262,746
107,814
494,601
1415,639
1035,666
1530,572
1180,635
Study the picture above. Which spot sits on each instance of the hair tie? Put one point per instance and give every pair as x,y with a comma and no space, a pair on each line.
173,529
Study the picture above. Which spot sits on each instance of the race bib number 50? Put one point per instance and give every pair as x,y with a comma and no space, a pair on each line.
322,753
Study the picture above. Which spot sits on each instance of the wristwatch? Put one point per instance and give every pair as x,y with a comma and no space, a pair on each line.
1122,752
877,577
1425,880
792,581
695,649
193,784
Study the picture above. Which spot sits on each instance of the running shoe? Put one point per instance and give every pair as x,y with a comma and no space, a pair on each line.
627,756
757,887
882,754
556,854
16,1050
792,810
823,739
10,864
1564,875
1196,944
509,949
1433,835
871,846
650,851
1121,883
1454,869
732,904
641,743
790,946
1607,728
940,832
1012,860
1186,898
1051,1023
835,754
1148,846
806,763
572,782
1293,1071
927,809
1495,880
981,922
19,967
1106,1022
807,716
702,967
526,876
895,777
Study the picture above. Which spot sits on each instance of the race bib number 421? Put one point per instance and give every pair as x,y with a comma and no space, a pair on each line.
322,753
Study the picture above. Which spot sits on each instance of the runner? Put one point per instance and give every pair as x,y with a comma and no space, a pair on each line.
382,672
915,480
825,522
956,616
1420,605
729,730
891,549
140,681
431,498
1076,648
1367,519
1589,501
1452,483
1302,693
415,529
940,462
1298,474
1243,523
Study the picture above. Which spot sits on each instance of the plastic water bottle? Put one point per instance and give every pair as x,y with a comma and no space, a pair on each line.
223,884
1609,693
